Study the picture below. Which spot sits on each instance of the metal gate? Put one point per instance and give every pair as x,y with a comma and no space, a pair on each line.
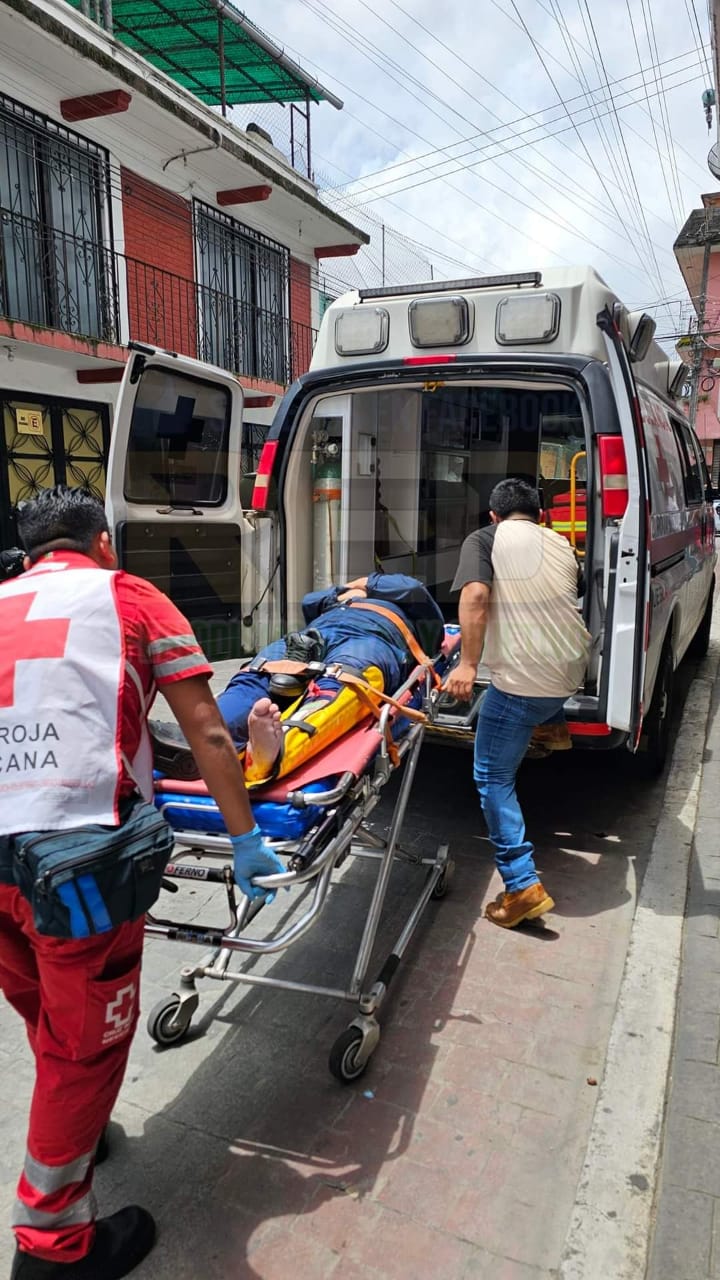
46,442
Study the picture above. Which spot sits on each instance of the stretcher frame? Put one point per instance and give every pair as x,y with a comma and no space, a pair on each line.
339,834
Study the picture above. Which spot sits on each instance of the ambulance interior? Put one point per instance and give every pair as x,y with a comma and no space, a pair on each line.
399,476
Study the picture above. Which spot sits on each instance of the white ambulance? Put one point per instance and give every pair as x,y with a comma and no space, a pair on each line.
418,401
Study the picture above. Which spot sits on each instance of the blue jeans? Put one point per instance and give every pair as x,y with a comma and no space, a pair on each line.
505,725
354,642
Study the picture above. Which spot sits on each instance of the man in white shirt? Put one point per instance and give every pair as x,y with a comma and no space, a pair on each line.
518,584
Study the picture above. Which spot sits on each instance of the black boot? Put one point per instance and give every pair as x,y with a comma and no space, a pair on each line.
171,751
121,1243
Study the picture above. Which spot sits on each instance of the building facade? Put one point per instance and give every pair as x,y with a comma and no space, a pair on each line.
132,210
697,250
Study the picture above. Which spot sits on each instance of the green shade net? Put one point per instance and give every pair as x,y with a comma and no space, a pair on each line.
181,38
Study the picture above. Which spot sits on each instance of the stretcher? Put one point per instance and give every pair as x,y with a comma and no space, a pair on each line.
315,818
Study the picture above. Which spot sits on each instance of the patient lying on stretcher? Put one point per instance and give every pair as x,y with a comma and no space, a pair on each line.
376,628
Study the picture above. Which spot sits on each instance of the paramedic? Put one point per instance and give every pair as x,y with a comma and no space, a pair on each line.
518,584
81,654
355,637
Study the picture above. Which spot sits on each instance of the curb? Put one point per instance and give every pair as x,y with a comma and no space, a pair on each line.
610,1226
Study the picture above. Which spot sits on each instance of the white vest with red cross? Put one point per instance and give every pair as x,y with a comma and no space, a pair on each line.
62,667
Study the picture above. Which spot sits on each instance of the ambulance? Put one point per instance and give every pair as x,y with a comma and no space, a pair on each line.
418,400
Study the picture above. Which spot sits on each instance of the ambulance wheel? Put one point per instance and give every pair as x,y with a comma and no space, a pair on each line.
343,1061
445,881
163,1025
655,741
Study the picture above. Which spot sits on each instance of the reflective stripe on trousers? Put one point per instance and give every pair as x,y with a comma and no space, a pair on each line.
80,1023
51,1197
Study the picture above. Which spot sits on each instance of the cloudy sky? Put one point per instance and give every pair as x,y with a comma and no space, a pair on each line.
496,135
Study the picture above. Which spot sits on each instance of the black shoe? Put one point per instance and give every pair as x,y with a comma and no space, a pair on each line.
171,752
121,1243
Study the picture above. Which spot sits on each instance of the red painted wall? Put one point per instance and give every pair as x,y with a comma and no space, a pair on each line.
160,265
301,337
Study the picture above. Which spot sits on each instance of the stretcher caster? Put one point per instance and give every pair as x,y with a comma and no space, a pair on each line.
346,1062
445,881
169,1020
354,1048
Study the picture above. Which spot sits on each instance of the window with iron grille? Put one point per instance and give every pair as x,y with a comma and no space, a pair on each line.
56,261
242,297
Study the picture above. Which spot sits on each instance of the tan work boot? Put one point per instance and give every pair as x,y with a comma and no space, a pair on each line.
553,737
510,909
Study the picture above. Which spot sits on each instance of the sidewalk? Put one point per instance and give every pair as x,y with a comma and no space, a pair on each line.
686,1243
457,1156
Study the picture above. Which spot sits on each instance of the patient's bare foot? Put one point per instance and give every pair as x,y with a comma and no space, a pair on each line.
264,735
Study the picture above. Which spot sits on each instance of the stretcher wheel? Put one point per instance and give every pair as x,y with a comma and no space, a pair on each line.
445,881
343,1061
163,1024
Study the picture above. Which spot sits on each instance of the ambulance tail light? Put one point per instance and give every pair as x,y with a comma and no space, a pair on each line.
438,359
613,476
263,475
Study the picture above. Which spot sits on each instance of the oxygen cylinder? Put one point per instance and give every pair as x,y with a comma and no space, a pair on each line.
327,491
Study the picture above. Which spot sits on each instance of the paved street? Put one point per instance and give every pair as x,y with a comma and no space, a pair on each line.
458,1154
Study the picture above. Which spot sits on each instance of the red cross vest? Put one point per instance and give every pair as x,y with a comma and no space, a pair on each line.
61,675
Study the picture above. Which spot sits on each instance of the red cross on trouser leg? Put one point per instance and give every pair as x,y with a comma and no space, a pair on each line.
20,640
81,1024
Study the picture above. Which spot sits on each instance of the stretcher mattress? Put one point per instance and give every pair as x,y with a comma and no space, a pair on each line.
187,806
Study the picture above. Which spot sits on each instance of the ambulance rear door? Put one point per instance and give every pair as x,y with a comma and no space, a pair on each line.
627,560
174,495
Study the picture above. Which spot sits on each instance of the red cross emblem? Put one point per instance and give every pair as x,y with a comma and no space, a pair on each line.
20,639
119,1012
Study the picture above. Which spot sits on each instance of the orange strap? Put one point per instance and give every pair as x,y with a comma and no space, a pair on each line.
286,667
413,645
374,696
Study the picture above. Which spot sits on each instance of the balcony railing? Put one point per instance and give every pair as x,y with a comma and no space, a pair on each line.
57,281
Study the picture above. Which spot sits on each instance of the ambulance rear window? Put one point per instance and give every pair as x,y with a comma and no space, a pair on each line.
178,445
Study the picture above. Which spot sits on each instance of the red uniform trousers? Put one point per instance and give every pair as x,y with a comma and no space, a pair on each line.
80,1003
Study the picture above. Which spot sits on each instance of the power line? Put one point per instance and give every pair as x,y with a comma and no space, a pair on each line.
650,29
550,77
582,79
586,50
624,147
494,214
568,193
519,120
520,135
702,46
565,129
647,98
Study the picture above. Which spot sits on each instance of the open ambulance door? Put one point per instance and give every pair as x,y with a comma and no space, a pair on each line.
174,502
627,553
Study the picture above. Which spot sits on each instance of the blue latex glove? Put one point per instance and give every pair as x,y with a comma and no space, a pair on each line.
253,857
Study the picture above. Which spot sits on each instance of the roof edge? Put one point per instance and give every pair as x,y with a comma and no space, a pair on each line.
279,55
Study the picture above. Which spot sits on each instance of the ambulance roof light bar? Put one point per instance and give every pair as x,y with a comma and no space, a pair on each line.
533,278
